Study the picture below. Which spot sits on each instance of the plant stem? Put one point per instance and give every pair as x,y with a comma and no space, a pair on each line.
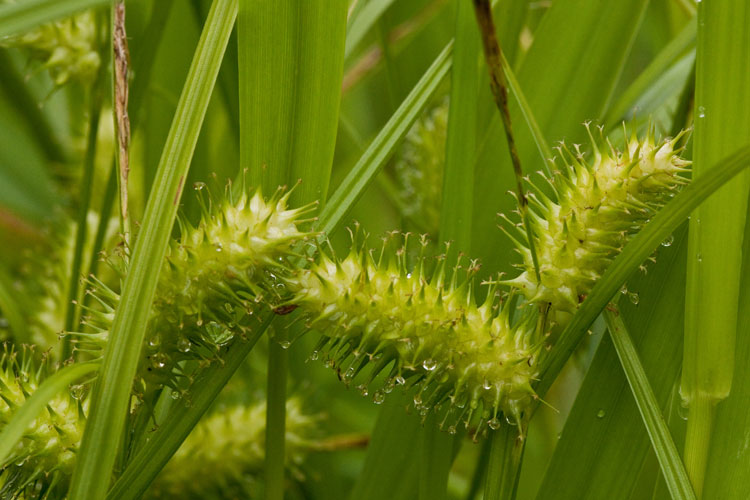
493,56
506,451
278,361
697,439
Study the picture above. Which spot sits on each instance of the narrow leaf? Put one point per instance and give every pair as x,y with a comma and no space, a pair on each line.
111,393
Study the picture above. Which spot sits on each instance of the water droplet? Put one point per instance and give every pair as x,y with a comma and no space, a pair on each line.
198,186
219,247
183,345
701,111
487,385
601,413
159,361
314,355
285,344
624,289
174,395
363,389
154,342
634,298
217,334
668,242
378,397
349,373
494,423
683,410
400,380
452,429
77,391
700,257
429,364
418,400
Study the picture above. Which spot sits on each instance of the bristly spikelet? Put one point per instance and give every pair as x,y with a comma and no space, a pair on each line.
224,455
600,202
67,48
426,333
41,464
419,170
209,286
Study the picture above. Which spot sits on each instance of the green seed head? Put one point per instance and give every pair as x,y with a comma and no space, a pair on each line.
44,458
224,455
424,331
599,203
212,279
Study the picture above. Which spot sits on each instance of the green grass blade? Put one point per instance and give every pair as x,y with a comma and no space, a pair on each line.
13,432
14,86
604,446
722,124
675,50
634,253
23,16
362,21
729,458
111,393
383,146
383,461
665,449
528,116
300,48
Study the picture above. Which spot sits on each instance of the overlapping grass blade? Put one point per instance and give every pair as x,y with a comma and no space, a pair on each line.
111,393
588,462
666,452
722,124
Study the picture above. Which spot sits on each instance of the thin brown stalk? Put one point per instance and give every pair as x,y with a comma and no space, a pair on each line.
499,87
122,121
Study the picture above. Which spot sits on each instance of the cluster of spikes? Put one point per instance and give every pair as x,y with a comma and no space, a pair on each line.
593,207
213,278
224,455
41,463
386,323
66,48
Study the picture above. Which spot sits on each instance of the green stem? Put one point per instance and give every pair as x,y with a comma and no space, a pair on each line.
697,440
506,451
278,361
